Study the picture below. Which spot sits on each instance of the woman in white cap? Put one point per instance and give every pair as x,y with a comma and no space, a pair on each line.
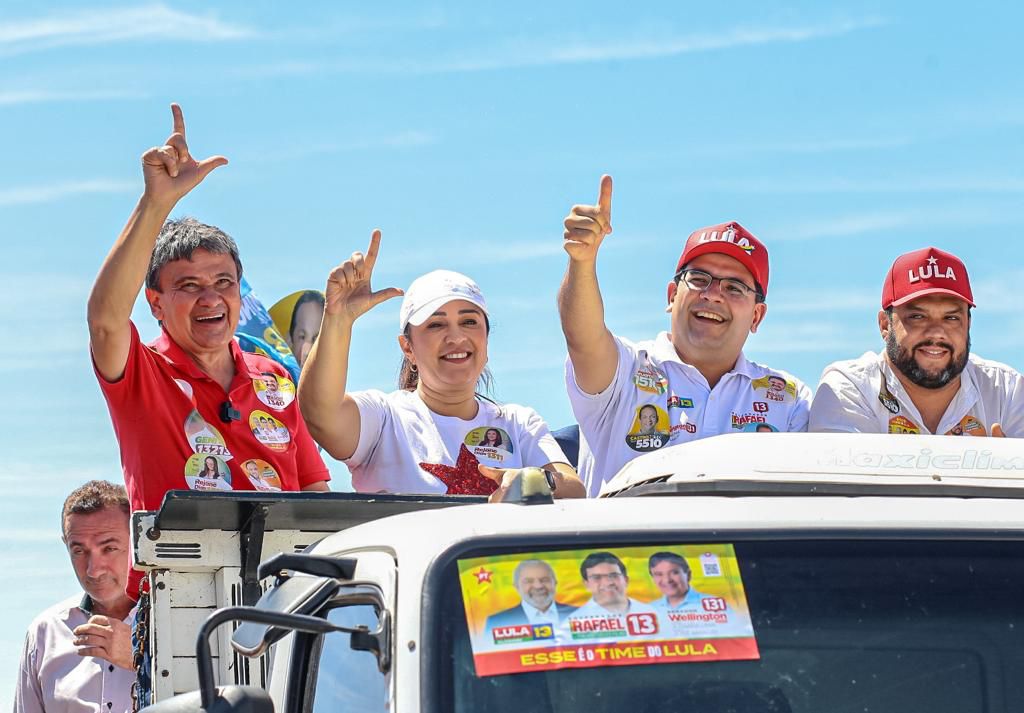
429,436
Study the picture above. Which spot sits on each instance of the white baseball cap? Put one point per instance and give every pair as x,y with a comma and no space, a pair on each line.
430,292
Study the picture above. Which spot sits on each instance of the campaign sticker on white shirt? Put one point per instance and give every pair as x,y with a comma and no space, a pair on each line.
207,472
968,426
269,431
648,378
274,391
759,428
204,438
886,398
650,429
902,424
261,474
775,387
490,442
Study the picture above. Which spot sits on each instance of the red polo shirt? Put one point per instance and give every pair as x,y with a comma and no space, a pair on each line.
167,418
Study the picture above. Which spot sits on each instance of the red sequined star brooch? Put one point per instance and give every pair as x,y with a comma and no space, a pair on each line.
463,478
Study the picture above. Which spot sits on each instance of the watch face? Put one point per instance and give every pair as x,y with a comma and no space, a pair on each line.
551,479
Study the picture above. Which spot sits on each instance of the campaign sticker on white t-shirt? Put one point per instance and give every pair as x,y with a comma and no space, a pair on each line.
274,391
204,438
207,472
261,474
269,431
490,442
650,429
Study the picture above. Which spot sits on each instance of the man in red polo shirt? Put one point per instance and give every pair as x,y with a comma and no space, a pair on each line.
186,407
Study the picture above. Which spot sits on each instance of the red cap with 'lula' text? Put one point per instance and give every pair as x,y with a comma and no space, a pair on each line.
928,271
730,239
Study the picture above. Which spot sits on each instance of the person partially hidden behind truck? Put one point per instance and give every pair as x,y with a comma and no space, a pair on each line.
694,378
425,436
925,380
192,394
78,653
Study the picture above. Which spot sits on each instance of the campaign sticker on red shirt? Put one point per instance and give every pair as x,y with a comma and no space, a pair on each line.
274,391
204,438
206,472
269,431
261,474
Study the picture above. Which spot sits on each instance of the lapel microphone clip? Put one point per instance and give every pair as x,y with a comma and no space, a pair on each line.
228,413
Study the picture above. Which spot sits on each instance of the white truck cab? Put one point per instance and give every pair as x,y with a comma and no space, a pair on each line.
749,572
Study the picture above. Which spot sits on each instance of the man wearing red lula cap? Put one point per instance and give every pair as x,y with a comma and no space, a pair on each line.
926,380
695,376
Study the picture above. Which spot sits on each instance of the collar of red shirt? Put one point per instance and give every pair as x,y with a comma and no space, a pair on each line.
179,357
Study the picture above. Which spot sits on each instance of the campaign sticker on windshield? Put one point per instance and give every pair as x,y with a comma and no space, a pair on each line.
615,607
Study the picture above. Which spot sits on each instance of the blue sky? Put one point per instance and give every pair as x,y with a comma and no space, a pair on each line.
842,134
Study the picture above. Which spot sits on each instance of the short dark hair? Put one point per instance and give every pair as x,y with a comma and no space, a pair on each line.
181,237
305,298
92,497
596,558
659,557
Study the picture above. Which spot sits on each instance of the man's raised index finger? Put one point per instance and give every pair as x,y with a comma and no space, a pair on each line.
179,119
371,252
604,198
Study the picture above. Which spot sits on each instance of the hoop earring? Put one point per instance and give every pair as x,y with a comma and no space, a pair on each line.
413,368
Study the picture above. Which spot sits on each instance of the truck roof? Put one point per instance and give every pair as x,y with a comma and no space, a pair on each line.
846,458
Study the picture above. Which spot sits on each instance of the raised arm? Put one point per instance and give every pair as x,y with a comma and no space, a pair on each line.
169,172
591,346
332,416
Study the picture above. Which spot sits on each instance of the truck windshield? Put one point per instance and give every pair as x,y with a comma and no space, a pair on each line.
837,625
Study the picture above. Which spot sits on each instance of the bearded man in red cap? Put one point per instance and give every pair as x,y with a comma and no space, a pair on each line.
695,376
925,380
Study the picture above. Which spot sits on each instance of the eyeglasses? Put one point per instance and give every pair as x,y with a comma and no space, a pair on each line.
731,287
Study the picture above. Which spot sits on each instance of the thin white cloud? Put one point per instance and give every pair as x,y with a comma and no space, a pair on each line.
534,52
19,291
401,140
843,226
991,295
808,337
645,47
57,191
825,184
796,301
45,96
882,222
99,26
820,146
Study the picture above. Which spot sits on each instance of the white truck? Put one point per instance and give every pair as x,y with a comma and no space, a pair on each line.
750,572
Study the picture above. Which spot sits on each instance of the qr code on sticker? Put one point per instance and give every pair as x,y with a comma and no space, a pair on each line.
710,565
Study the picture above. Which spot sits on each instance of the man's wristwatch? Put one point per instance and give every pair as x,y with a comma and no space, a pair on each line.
550,477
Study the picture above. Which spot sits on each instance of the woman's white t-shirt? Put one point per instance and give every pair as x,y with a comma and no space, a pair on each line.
404,447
